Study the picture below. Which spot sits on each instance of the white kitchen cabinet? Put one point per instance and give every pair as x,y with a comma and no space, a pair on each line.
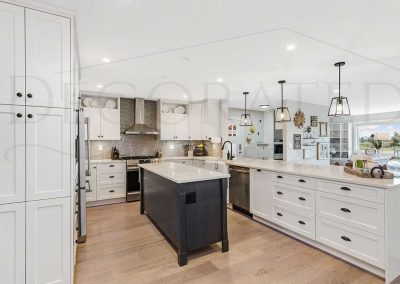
48,148
104,124
195,114
210,119
260,193
12,54
12,151
48,259
174,126
12,243
48,59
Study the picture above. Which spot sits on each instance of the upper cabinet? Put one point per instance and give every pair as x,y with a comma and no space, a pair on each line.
194,112
210,119
48,60
12,54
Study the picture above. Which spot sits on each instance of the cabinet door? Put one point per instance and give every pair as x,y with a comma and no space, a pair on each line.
12,151
260,193
210,119
48,61
12,243
91,184
181,127
48,153
94,123
48,237
194,111
110,124
167,126
12,54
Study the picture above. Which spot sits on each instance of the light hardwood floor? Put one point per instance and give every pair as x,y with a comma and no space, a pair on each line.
124,247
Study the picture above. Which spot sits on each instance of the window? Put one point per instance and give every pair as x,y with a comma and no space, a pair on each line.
383,136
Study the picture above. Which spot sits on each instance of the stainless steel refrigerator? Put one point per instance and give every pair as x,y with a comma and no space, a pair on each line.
83,172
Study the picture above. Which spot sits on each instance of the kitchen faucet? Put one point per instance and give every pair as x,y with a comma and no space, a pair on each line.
230,154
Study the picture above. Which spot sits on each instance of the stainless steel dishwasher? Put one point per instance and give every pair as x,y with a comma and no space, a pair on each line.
239,188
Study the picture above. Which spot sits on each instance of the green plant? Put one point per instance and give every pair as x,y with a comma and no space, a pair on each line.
395,140
377,144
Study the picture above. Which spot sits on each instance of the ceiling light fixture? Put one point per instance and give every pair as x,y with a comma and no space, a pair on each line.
263,106
245,119
106,60
99,86
339,105
290,47
220,80
282,113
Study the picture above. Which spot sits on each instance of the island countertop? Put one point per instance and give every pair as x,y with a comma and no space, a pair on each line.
328,172
180,173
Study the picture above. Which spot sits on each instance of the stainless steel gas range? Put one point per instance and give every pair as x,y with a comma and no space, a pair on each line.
132,175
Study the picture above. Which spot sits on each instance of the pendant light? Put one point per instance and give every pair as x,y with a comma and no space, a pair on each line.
339,105
282,113
245,119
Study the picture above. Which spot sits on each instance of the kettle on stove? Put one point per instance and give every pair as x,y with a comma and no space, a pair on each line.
114,153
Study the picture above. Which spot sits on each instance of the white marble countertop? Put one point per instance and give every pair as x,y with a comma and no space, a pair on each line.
107,161
181,173
200,158
327,172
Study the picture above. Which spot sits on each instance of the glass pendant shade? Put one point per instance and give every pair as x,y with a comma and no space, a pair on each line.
339,107
245,119
282,114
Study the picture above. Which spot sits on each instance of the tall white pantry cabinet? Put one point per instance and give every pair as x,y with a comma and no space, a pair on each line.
35,146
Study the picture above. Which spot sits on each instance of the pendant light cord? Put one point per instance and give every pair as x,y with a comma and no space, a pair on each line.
281,97
245,105
339,82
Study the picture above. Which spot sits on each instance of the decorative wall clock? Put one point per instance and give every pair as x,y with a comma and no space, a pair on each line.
299,119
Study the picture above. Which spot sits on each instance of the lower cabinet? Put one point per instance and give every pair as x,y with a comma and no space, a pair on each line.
48,242
12,243
260,193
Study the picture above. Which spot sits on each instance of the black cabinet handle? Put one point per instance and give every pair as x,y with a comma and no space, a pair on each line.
302,198
302,180
19,114
279,214
111,176
258,170
345,210
346,239
279,176
302,222
29,95
19,95
30,115
345,188
279,192
112,190
111,166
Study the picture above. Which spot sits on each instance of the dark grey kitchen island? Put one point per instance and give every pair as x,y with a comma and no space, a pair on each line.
187,204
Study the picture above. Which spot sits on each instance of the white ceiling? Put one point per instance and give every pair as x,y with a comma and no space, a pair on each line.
169,49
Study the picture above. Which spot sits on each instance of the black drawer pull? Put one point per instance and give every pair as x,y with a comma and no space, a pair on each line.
346,239
302,198
302,180
345,210
111,176
19,114
302,222
29,95
345,188
279,214
111,166
19,95
279,176
30,115
112,190
279,192
258,170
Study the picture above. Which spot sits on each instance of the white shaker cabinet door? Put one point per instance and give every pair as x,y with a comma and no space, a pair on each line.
12,151
48,59
110,124
48,153
94,123
195,112
12,54
48,241
12,243
167,126
181,126
260,193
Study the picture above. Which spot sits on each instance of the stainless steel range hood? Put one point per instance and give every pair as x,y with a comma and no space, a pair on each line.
139,127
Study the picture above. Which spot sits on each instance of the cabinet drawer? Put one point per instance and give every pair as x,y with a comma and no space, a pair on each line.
105,178
290,220
111,191
294,180
112,167
352,190
359,244
298,198
361,214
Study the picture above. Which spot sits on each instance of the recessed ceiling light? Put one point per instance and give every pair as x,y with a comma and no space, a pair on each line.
220,80
106,60
185,96
263,106
99,86
290,47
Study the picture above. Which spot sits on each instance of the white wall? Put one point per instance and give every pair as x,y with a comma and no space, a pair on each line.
258,122
289,154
